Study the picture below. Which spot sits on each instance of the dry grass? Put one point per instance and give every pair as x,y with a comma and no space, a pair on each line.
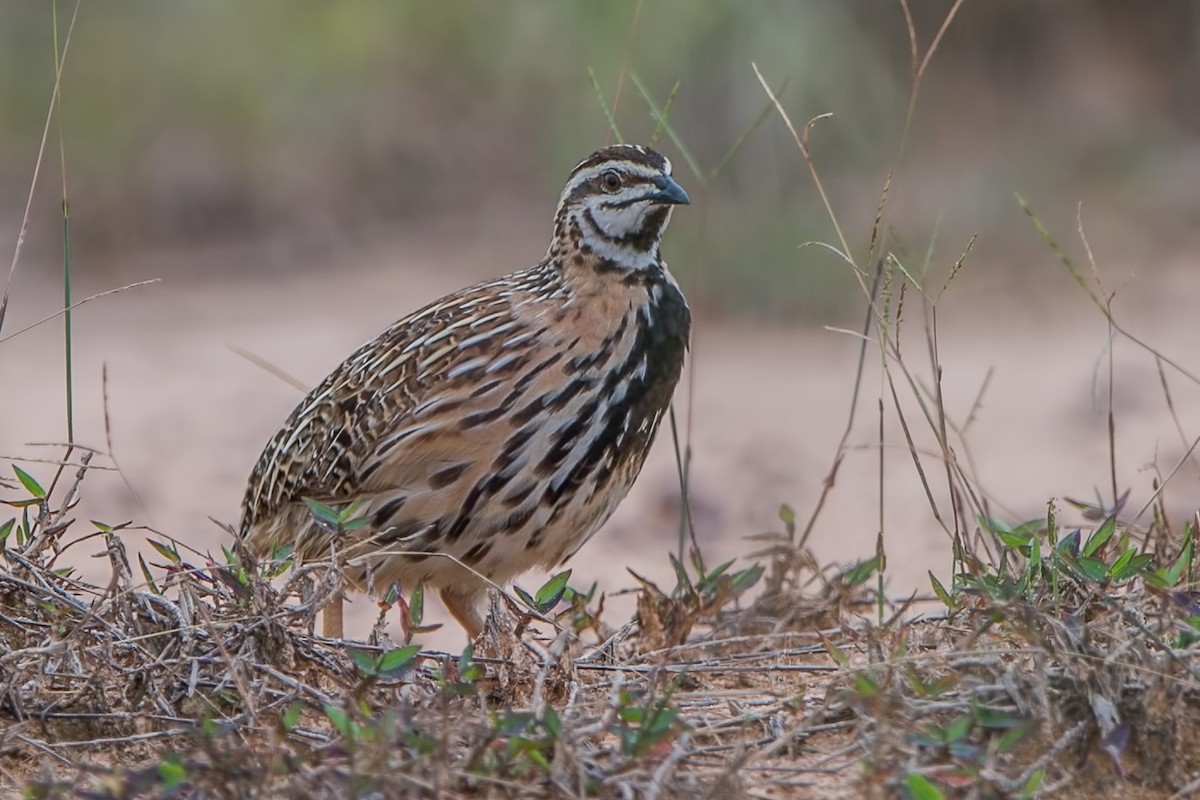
1058,662
205,680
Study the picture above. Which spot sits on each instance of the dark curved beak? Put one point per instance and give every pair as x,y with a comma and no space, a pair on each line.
669,192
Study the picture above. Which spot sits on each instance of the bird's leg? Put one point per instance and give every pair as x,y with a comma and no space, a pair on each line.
463,605
331,617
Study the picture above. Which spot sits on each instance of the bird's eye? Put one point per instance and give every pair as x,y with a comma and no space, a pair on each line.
610,180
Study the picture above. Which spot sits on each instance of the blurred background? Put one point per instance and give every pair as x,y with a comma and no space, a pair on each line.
321,124
298,174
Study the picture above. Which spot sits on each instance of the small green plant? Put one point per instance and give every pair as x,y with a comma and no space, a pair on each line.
459,677
548,595
389,664
25,527
668,619
962,747
412,610
645,721
1039,562
172,773
337,521
526,740
574,608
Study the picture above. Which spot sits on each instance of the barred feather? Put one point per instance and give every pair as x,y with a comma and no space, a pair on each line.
500,425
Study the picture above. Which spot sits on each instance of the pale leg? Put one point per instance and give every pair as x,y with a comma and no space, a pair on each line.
463,605
331,618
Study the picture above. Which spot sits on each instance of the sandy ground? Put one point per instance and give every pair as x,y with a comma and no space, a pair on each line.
767,405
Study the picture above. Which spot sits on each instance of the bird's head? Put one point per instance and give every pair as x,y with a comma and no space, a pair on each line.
616,205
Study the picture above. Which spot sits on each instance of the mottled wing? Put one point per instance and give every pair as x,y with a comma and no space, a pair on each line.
390,417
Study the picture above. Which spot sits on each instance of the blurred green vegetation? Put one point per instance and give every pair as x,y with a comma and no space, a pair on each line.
194,122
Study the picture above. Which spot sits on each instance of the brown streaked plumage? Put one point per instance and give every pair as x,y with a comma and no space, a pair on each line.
502,424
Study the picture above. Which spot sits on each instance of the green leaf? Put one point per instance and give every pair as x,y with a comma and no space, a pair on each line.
1035,566
168,552
1015,735
746,578
340,721
958,728
655,725
291,716
919,788
416,604
525,598
31,485
1033,784
354,524
146,574
683,584
1030,528
662,720
465,659
208,726
552,591
941,592
280,551
366,663
552,723
1129,564
990,718
321,512
396,661
1016,541
861,572
1136,566
1092,568
172,773
1069,543
514,722
836,653
1185,558
710,578
339,520
632,713
391,594
536,757
1100,538
6,529
992,524
103,527
32,501
864,686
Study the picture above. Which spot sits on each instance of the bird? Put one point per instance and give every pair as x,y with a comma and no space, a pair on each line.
494,430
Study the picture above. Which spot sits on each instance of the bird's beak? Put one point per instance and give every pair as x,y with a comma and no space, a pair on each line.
669,192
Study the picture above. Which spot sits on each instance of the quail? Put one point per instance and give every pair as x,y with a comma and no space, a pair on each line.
494,430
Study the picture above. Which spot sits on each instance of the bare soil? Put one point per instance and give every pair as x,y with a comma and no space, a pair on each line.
762,406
